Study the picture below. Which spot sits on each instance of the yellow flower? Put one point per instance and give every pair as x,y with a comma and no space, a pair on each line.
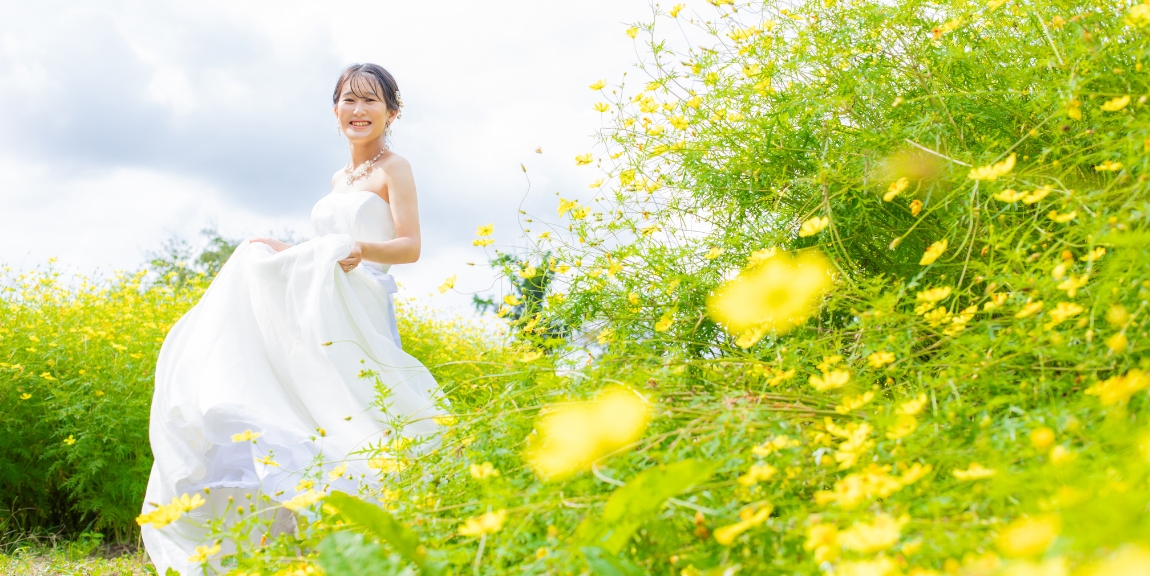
448,284
1062,312
913,407
1061,455
665,322
1120,388
384,464
880,534
880,566
974,472
1108,166
915,207
1028,537
757,473
1130,559
852,403
1074,110
904,425
814,226
933,252
448,420
246,435
1009,195
70,440
596,183
1073,283
749,519
601,107
531,356
304,500
1116,104
337,472
187,503
993,171
855,442
1093,255
511,300
483,242
714,252
1042,437
778,443
483,471
203,552
694,102
759,256
775,296
679,122
267,461
895,189
823,539
676,9
47,376
879,359
487,523
1037,194
1117,343
633,32
485,230
1061,218
25,396
571,437
1029,309
830,380
599,85
584,159
933,295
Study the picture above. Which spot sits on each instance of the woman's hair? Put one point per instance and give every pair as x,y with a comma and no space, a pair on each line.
369,79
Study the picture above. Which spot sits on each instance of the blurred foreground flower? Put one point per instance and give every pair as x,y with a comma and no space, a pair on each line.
1027,537
170,512
1120,388
993,171
487,523
573,436
777,295
747,519
879,535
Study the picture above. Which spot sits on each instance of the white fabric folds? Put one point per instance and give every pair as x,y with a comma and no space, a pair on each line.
252,355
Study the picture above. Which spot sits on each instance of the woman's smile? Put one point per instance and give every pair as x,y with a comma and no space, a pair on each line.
361,123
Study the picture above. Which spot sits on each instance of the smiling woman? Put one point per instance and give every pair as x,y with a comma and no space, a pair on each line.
262,386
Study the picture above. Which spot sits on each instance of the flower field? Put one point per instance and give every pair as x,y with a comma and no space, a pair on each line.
860,289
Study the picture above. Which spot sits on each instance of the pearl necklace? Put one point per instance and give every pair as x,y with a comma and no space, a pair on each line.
363,170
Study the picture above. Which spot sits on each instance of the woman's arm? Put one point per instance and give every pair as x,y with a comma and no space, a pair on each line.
404,248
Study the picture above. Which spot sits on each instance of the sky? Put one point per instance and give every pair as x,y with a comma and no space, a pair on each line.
123,124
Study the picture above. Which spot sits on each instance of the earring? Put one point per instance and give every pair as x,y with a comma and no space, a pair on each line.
387,129
339,128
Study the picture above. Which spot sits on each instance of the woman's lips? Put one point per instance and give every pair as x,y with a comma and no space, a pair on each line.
360,123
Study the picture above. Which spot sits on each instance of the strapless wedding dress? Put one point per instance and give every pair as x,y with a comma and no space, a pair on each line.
277,345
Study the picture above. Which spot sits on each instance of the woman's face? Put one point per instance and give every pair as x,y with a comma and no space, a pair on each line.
362,114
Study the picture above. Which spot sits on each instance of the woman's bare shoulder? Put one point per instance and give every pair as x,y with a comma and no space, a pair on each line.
395,165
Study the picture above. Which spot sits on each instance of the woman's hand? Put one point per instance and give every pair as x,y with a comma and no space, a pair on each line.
353,259
275,244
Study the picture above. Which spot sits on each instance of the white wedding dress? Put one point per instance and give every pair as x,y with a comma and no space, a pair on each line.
254,354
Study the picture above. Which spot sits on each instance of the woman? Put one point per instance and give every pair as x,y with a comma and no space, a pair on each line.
262,384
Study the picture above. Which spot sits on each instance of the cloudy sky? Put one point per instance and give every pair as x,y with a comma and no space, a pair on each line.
125,123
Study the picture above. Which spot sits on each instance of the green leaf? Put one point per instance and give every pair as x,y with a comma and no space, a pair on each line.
603,563
633,503
385,527
348,554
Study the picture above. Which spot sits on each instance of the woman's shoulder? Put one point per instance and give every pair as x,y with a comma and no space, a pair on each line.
395,165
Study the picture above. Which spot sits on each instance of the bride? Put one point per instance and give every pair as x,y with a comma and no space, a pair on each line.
289,371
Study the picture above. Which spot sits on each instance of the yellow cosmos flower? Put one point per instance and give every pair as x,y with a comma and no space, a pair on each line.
1117,343
993,171
933,295
267,461
337,472
70,440
584,159
665,322
830,380
814,226
1029,309
599,85
47,376
487,523
1009,195
895,188
913,407
823,539
531,356
1037,195
680,122
759,256
571,437
915,207
1108,166
1093,255
714,252
632,32
1072,283
483,242
694,102
448,284
483,471
748,519
511,300
601,107
246,435
304,485
775,296
777,443
304,500
485,230
1062,218
1042,437
385,465
25,396
933,252
855,442
974,472
1074,110
596,183
852,403
1116,104
757,473
1120,388
880,534
676,9
1062,312
1029,537
903,426
203,553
